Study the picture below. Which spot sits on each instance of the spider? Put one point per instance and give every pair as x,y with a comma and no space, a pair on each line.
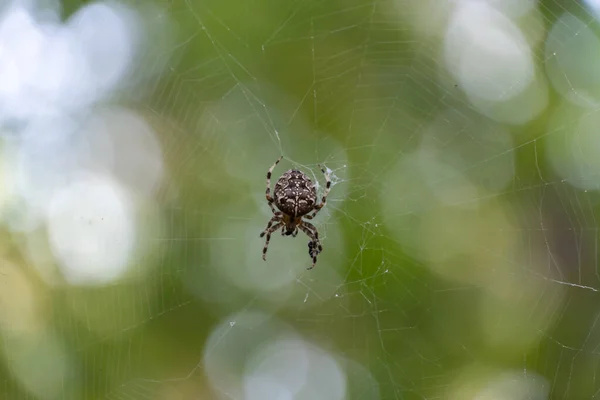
295,196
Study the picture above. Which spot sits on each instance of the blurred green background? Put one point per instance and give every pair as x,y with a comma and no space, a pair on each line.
460,238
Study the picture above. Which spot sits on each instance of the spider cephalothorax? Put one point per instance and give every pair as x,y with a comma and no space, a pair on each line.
295,196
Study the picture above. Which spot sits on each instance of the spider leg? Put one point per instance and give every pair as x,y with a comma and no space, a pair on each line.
314,246
268,232
273,208
324,198
275,218
278,215
316,242
270,198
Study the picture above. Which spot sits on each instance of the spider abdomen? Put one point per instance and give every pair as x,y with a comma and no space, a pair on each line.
295,194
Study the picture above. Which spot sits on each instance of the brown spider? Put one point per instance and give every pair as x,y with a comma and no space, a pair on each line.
295,196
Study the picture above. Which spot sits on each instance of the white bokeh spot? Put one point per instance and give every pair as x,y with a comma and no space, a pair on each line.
91,228
47,68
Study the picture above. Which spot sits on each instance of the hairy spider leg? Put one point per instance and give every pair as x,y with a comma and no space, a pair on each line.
270,198
311,235
324,198
268,232
275,218
315,237
314,248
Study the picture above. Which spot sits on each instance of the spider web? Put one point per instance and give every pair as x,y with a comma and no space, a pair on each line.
460,240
